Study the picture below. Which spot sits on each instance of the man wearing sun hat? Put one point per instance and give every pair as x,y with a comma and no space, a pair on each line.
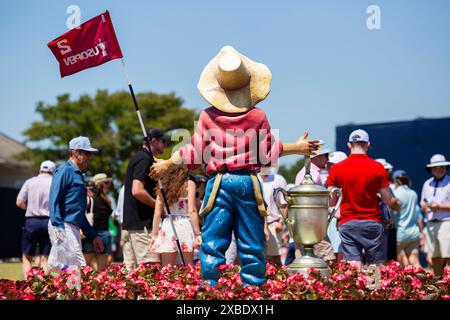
233,139
318,164
68,196
435,203
33,197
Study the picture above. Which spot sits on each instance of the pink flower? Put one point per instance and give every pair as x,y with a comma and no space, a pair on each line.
339,277
177,282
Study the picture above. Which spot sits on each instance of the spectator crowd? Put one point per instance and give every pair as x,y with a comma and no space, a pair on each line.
72,220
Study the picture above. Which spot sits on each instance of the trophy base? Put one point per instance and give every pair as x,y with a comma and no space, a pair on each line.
303,263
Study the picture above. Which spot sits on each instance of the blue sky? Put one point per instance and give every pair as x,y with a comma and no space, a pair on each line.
328,68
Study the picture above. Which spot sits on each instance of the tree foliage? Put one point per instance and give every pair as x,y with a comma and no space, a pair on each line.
290,172
110,122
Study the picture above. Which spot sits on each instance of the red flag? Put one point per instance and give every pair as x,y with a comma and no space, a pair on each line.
90,45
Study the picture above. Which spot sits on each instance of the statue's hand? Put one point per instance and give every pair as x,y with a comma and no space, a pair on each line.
306,147
162,167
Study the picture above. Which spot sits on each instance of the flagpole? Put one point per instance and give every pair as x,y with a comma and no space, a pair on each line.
138,112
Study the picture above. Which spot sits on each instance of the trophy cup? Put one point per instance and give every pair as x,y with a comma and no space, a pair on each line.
307,219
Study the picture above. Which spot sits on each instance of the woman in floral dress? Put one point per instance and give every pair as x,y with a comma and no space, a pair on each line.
185,218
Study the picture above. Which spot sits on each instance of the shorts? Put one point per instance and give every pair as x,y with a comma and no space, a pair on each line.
367,235
275,241
438,239
409,247
35,238
129,258
88,247
140,246
66,252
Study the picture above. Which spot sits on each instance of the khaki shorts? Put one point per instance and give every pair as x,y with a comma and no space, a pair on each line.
129,259
438,239
275,241
137,248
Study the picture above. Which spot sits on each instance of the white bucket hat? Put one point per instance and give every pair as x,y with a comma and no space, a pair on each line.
233,83
385,164
337,156
323,149
438,160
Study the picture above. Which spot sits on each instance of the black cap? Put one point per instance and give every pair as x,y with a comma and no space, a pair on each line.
155,133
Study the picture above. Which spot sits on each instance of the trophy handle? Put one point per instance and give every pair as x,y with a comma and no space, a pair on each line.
338,203
280,207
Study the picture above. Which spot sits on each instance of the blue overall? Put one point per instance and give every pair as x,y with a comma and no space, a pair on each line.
235,208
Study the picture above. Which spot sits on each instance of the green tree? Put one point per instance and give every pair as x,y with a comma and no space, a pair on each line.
110,122
289,172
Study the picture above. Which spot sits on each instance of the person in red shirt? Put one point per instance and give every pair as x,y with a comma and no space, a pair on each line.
361,179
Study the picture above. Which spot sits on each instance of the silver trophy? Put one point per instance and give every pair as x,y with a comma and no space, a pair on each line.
307,218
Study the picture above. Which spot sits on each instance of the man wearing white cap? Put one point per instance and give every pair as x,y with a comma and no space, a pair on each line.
68,209
361,178
435,202
33,197
318,165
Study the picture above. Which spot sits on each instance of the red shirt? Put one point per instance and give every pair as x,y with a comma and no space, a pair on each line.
360,178
229,141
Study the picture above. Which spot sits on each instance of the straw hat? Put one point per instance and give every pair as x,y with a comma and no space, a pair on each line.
233,83
101,177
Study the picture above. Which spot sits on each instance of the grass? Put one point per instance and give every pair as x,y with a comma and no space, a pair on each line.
11,270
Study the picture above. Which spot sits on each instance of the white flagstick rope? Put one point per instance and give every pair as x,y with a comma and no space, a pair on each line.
136,106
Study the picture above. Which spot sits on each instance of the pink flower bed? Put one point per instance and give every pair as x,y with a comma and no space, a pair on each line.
153,282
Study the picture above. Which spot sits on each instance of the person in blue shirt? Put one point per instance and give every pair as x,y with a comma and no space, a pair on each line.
407,220
67,204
